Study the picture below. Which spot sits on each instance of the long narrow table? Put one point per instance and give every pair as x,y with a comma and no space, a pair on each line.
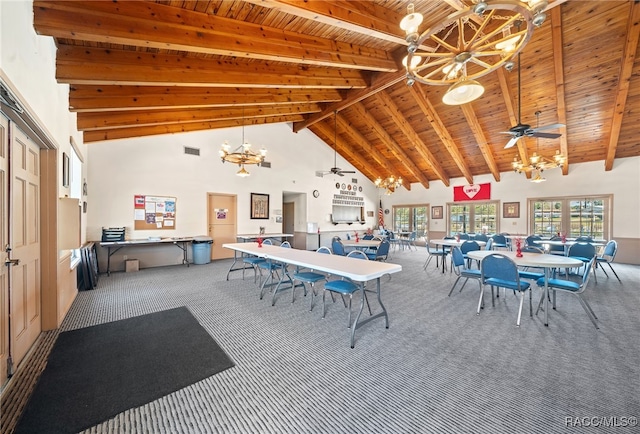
451,243
114,246
253,237
539,260
357,270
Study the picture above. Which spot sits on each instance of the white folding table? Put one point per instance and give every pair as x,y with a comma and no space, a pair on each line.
358,270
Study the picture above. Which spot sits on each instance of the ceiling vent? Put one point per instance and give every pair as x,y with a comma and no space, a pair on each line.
191,151
266,164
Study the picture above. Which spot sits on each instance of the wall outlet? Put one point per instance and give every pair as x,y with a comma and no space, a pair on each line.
125,257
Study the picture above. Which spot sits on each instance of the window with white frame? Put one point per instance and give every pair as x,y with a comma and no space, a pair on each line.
473,217
571,216
409,218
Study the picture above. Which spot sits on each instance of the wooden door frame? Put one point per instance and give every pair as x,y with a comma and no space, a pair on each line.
50,316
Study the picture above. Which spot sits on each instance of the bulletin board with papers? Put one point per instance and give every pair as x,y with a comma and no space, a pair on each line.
154,212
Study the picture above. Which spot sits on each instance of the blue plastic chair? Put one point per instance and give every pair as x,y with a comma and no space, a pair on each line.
459,268
275,270
381,253
434,252
337,247
501,271
345,286
481,237
583,251
607,257
571,287
533,240
468,246
499,241
309,276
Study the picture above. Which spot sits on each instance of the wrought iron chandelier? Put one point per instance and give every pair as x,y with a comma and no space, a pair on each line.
390,184
242,155
538,163
469,44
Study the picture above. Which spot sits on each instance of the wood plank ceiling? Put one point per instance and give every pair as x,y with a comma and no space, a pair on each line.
144,68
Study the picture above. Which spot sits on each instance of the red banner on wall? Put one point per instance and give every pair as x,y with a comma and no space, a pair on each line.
472,192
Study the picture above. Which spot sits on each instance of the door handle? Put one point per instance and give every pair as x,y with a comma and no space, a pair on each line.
8,262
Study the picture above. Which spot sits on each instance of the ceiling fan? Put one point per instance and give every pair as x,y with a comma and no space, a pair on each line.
335,170
523,130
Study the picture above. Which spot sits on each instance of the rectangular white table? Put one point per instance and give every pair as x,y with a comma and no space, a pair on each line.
451,243
114,246
539,260
253,237
358,270
361,244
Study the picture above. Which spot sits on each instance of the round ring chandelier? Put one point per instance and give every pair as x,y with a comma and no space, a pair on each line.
469,44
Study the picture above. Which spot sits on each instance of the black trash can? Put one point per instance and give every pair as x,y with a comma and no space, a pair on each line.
201,249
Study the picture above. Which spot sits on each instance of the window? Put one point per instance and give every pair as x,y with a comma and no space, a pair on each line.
574,216
75,191
409,218
473,217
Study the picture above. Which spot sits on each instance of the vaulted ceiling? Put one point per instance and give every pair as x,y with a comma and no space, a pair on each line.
144,68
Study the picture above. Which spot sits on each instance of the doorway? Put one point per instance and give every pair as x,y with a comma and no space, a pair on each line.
288,219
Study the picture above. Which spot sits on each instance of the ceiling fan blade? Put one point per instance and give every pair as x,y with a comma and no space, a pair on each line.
347,171
549,127
512,141
544,135
511,133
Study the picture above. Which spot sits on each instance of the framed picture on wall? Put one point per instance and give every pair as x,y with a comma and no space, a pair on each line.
436,212
259,206
511,210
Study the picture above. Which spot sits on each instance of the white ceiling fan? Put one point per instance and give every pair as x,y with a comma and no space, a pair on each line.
335,169
523,130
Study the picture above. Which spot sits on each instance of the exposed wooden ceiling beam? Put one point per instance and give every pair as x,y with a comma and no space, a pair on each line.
83,65
401,122
124,119
438,126
83,98
379,82
362,17
483,144
358,139
327,129
390,143
153,25
626,70
558,69
125,133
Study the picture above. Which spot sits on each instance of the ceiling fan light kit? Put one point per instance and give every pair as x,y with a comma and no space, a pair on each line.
335,169
468,44
538,163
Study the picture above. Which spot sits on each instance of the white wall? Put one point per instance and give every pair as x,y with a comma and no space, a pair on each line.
27,66
120,169
586,178
116,170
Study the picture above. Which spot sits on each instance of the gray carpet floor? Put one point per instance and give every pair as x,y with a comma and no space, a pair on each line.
439,368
